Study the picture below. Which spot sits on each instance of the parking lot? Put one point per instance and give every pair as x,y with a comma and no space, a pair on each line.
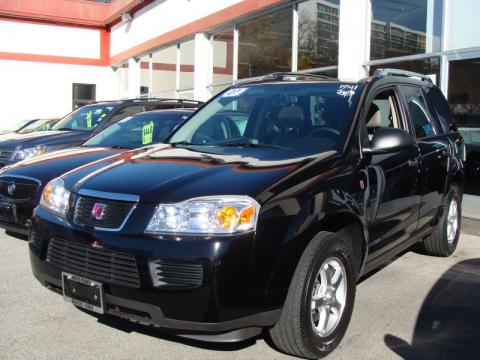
415,307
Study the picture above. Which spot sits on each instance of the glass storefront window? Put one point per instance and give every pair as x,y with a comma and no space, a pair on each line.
407,27
187,64
164,72
427,66
265,44
144,63
318,33
223,57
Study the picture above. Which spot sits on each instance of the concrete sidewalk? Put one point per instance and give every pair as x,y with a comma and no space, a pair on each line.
471,206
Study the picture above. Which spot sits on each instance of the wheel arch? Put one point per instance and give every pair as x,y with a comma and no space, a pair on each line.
339,218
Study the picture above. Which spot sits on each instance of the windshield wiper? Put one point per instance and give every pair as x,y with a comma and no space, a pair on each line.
183,142
65,129
119,147
254,145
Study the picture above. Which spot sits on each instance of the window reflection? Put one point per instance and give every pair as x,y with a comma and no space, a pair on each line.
318,33
265,44
223,57
405,27
427,66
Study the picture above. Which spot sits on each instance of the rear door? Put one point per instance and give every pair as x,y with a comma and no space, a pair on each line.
435,151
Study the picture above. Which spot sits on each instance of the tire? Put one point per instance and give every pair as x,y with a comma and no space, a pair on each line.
295,332
443,240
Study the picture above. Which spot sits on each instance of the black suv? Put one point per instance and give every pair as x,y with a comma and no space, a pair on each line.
79,126
262,211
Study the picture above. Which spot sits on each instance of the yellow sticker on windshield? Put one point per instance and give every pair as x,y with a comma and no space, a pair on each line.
147,133
89,119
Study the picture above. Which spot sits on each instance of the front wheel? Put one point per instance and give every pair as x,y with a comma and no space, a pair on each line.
444,238
320,299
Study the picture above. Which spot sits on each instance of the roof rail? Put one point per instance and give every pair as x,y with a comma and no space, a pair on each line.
180,101
284,76
397,72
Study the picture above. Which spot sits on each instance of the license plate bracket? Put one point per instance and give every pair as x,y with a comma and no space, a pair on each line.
82,292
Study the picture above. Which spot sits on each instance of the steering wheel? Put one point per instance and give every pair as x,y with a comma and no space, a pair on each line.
327,130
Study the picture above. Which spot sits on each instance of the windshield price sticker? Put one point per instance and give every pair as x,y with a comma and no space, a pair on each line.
147,133
89,119
234,92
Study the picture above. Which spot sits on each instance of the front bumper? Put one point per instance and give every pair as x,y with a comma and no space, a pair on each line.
221,302
21,215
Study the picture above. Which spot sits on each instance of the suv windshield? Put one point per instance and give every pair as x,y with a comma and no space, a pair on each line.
38,125
85,118
139,130
305,117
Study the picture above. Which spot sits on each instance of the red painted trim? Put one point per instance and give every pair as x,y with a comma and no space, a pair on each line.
243,8
52,59
49,22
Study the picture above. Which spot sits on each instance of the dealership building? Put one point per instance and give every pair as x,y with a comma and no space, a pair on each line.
58,54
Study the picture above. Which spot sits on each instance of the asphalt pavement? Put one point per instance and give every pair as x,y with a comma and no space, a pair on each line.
416,307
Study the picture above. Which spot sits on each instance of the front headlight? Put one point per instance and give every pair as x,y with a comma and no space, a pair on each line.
30,152
206,215
55,197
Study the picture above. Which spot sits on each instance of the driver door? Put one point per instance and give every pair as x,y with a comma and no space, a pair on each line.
394,197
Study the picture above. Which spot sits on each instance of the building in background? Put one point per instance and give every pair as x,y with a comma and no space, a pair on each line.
59,54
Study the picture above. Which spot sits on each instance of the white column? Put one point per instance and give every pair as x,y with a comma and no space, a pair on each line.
354,38
200,80
133,78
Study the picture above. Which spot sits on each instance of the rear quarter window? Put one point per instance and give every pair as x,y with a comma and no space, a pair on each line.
440,107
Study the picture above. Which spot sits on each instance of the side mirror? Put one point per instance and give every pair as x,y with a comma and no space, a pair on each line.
389,140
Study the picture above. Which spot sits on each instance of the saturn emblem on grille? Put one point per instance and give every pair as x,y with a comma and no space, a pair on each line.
11,187
98,211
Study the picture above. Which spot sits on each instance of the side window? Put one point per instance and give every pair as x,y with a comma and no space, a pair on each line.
127,111
441,107
383,112
419,115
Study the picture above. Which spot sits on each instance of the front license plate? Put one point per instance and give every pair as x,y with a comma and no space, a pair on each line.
6,213
84,293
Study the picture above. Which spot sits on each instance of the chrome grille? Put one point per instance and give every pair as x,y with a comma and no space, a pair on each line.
18,188
114,216
96,264
181,274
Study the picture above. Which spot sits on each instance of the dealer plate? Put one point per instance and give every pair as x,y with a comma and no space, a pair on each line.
82,292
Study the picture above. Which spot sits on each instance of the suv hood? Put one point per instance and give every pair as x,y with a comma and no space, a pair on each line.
49,138
51,165
168,174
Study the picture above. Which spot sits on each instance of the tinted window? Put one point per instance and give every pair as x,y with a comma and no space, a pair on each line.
139,130
441,107
307,117
85,118
125,112
419,115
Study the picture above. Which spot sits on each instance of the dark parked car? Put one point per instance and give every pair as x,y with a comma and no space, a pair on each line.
225,231
79,126
21,184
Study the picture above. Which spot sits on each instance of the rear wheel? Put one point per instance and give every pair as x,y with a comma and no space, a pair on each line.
320,299
444,238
